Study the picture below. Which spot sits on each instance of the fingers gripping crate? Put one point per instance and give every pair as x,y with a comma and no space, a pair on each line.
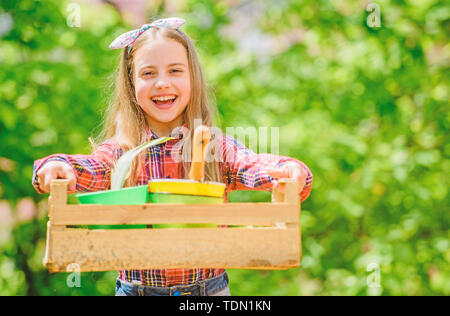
267,235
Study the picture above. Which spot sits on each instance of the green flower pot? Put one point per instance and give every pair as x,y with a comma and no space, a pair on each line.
183,199
126,196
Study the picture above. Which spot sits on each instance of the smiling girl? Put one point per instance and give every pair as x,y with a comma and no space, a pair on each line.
160,91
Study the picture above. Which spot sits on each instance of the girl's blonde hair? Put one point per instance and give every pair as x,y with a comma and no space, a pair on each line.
125,120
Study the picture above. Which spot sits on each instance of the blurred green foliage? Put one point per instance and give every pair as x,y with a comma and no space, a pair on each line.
366,108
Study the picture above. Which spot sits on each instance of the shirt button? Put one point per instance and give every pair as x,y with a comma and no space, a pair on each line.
176,293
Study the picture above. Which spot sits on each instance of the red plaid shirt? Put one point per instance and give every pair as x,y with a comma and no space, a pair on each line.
241,169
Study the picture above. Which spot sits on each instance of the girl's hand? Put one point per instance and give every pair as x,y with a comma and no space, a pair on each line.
55,170
290,170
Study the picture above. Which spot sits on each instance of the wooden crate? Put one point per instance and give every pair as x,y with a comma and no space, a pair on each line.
274,244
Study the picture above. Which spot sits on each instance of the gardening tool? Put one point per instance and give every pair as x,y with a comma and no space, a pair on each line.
193,190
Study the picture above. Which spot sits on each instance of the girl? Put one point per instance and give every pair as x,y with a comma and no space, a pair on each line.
160,90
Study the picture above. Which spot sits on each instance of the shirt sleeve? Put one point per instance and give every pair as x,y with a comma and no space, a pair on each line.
93,172
242,169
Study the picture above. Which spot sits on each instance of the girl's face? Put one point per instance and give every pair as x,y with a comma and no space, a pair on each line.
162,83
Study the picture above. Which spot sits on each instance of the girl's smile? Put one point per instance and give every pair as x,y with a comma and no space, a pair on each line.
164,101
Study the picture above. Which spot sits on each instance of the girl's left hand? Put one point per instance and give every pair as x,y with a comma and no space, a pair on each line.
290,170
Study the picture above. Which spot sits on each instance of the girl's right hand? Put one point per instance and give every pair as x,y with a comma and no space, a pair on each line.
55,170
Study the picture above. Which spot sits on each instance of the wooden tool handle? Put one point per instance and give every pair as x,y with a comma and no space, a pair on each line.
202,137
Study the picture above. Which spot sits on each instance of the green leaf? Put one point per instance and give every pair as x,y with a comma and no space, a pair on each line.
122,167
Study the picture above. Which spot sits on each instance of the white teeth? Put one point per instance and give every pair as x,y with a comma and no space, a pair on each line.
165,98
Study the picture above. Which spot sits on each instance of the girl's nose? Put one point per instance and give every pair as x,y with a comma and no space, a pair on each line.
160,84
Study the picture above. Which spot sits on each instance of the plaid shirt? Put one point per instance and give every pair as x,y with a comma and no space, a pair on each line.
241,169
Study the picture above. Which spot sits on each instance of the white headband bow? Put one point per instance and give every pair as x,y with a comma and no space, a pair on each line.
128,38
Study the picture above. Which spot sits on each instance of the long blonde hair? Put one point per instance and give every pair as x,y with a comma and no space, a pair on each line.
125,120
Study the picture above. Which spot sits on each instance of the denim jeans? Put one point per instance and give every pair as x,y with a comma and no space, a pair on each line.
217,286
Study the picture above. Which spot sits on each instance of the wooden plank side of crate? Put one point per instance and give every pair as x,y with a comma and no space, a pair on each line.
104,250
224,214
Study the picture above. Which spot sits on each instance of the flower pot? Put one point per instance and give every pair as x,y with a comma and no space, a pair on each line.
126,196
182,191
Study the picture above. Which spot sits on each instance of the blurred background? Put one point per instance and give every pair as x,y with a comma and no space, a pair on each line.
359,89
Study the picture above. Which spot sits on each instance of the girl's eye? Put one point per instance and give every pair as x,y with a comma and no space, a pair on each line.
151,73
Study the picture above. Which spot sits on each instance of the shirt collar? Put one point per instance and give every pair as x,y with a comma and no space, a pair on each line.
179,133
